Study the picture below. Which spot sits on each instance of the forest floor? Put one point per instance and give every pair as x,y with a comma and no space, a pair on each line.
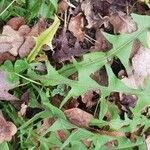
74,74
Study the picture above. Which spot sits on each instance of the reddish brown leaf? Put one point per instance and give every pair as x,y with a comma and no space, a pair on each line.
16,22
62,6
6,56
7,130
61,135
78,117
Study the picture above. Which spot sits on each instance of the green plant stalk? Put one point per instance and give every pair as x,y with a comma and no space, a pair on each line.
7,8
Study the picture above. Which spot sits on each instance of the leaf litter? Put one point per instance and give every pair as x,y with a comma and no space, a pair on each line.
100,102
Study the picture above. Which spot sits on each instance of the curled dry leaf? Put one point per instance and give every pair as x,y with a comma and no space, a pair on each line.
122,23
16,22
7,130
5,86
78,117
76,25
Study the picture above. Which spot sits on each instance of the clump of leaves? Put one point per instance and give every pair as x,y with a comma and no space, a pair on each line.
122,46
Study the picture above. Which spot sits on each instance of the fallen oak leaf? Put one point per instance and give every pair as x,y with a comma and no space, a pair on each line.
45,37
10,41
7,130
16,22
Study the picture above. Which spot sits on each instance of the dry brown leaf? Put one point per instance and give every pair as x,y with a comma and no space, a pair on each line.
101,43
86,7
61,135
76,25
87,98
128,100
39,27
23,109
7,130
10,41
62,6
24,30
6,56
47,122
26,47
130,82
122,23
16,22
78,117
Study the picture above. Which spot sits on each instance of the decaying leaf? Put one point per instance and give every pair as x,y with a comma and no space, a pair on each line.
61,135
128,100
122,23
6,56
78,117
87,98
10,41
18,38
16,22
76,25
87,9
62,6
47,122
7,130
101,43
5,86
